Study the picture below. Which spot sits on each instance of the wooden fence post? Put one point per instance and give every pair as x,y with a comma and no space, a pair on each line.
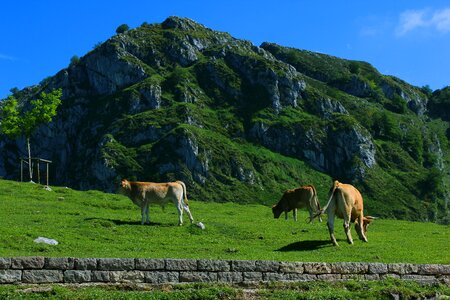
47,173
38,171
21,170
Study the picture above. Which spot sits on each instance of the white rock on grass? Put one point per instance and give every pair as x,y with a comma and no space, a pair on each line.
46,241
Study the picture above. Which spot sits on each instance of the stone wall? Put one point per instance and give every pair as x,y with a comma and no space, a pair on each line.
37,270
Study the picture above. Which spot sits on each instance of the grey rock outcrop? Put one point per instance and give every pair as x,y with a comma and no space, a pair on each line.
413,100
357,87
334,152
283,88
108,69
325,107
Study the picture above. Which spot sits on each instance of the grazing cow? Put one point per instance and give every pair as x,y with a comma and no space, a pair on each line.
144,193
305,196
346,203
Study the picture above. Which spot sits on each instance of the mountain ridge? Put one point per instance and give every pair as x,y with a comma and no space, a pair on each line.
178,100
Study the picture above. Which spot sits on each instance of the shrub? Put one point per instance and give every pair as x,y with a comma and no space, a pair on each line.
122,28
74,60
14,90
427,90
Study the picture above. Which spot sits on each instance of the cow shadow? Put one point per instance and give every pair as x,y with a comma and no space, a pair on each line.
305,246
122,222
125,222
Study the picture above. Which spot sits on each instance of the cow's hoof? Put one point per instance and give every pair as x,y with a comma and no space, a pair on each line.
350,242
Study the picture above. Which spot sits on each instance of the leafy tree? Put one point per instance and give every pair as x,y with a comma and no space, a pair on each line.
97,45
74,60
19,121
122,28
14,90
397,105
412,142
439,104
427,90
385,126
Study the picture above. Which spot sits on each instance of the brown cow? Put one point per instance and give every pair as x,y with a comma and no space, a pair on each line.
305,196
144,193
346,203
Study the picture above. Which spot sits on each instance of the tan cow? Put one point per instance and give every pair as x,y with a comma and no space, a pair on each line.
346,203
144,193
305,196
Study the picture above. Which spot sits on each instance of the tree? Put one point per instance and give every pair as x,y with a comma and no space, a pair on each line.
122,28
427,90
19,121
14,90
74,60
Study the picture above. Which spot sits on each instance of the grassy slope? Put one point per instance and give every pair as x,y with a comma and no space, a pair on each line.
94,224
386,289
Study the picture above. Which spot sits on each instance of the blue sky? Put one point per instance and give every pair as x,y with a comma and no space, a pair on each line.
407,39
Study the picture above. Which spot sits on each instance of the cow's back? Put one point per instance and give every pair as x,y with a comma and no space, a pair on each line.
161,193
298,198
348,197
352,195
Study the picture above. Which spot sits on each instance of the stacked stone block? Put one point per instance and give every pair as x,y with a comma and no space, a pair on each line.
39,270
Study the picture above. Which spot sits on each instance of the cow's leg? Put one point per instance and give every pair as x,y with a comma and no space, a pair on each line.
295,214
188,211
311,215
347,223
285,215
180,214
347,232
360,228
147,213
143,214
330,225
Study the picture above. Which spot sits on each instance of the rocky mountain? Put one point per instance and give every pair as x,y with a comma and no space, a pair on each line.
241,123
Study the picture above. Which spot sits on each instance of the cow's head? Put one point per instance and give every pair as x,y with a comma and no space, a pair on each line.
366,221
277,210
125,184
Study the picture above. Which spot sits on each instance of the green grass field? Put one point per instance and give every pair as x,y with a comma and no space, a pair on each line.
386,289
95,224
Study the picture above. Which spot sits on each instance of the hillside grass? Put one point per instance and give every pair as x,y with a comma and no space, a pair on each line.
385,289
96,224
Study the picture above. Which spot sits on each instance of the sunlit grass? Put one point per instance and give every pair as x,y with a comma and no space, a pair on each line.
95,224
383,289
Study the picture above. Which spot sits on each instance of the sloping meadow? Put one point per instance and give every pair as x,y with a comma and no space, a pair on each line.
96,224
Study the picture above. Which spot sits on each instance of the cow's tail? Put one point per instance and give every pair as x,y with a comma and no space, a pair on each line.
185,199
315,205
316,198
321,211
